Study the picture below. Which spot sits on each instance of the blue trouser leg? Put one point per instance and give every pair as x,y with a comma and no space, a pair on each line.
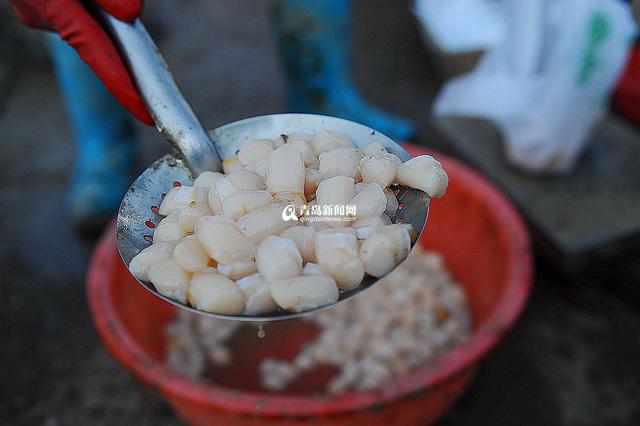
103,132
313,39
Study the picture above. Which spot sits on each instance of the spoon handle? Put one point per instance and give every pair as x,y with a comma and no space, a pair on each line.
174,117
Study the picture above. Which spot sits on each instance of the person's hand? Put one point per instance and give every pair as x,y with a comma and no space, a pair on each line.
71,20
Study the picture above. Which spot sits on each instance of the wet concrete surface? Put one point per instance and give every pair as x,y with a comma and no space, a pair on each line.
572,359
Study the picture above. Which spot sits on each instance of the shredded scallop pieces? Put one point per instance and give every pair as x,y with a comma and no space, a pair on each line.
414,316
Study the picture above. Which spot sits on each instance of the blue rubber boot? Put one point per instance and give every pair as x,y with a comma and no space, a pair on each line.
105,141
313,39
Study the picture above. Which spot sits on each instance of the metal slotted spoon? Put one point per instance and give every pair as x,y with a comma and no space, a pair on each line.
197,150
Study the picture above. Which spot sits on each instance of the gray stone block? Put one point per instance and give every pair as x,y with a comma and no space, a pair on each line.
588,215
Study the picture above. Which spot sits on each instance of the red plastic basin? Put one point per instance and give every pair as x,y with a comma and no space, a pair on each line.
486,247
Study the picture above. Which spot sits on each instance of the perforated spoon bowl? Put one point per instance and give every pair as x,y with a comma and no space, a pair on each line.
197,150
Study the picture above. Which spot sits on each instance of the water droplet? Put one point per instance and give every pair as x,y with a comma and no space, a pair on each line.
261,332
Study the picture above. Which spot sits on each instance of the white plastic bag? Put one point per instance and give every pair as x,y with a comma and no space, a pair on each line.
549,81
460,26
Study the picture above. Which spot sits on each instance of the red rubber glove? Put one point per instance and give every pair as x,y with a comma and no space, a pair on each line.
76,26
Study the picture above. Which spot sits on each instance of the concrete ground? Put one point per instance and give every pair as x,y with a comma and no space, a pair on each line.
572,359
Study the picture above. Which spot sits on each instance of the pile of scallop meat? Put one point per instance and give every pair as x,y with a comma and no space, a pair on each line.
413,316
227,245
